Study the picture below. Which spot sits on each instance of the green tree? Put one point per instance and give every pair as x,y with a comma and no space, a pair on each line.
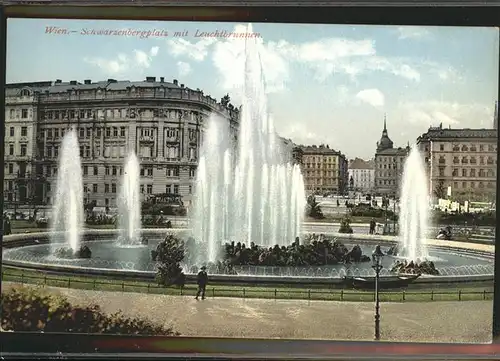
440,190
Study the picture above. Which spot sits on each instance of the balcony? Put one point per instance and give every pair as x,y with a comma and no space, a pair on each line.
146,139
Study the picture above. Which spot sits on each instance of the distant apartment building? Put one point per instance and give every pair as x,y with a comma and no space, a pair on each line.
362,175
389,163
463,159
161,121
324,169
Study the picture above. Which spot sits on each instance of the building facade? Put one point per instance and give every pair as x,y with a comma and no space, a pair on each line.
362,173
463,159
20,139
389,164
324,169
161,122
495,117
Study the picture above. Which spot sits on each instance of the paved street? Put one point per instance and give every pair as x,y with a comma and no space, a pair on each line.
234,317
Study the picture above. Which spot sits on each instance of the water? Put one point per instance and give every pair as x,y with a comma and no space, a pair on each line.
129,203
67,209
249,194
414,206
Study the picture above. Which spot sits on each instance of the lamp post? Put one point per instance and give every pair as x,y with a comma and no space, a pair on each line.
377,266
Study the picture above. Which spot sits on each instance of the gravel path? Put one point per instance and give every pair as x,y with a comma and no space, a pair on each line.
469,321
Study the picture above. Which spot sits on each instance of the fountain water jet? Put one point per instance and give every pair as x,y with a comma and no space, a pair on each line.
414,208
67,209
129,203
252,194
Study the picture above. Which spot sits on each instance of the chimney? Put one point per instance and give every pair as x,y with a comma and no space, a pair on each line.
176,82
58,81
182,85
87,81
150,79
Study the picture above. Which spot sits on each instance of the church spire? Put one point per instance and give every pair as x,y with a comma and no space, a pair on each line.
385,122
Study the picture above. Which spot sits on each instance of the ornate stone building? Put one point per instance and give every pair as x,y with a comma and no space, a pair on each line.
463,159
161,121
20,139
324,169
389,163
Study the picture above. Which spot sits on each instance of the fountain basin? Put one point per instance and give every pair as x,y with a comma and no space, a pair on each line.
461,262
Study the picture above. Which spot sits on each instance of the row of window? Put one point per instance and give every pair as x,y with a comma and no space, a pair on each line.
23,150
387,182
24,113
387,174
172,152
171,171
24,131
317,173
325,159
489,185
131,113
471,148
389,159
322,166
473,160
86,132
112,188
490,173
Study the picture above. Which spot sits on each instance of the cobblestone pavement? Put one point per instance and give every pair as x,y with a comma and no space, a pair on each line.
469,321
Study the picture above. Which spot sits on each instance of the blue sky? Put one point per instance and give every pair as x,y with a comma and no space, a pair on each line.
326,83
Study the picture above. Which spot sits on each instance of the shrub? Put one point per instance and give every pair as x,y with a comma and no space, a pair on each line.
313,208
162,209
345,226
478,219
169,254
363,210
317,251
32,309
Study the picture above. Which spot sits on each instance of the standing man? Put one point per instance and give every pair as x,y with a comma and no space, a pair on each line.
202,283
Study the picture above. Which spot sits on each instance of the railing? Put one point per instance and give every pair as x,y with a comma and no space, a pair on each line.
251,292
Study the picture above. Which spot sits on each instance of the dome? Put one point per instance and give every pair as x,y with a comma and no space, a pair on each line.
385,142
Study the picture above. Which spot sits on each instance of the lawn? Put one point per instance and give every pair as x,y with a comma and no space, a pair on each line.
10,274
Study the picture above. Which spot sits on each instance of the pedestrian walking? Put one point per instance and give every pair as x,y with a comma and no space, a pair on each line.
202,283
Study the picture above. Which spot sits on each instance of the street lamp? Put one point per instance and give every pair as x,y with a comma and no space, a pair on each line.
377,266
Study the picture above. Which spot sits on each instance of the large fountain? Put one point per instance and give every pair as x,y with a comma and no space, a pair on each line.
252,193
129,203
414,208
67,209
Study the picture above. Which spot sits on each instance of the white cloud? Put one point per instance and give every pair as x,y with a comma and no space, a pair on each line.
183,68
301,133
111,66
326,57
413,32
139,60
154,50
197,51
432,113
374,97
341,94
